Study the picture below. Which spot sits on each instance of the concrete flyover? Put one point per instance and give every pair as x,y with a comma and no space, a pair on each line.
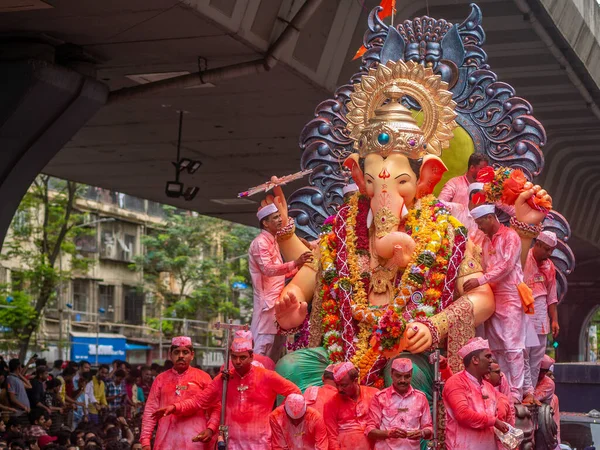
248,74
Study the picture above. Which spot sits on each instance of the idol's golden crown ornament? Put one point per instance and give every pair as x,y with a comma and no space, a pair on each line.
380,124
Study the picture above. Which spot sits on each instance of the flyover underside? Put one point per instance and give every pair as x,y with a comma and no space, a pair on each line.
247,129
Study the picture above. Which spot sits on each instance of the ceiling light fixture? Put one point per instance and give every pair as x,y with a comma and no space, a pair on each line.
194,166
175,189
190,193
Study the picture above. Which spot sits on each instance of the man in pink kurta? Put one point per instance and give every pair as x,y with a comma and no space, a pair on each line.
347,412
456,189
268,272
399,416
317,396
251,394
506,329
182,382
294,426
544,389
540,276
471,402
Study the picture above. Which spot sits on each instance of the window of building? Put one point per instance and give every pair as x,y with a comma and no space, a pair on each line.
127,248
17,280
134,305
81,294
106,300
21,224
118,241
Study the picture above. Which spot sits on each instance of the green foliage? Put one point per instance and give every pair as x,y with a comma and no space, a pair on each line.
16,312
205,256
43,228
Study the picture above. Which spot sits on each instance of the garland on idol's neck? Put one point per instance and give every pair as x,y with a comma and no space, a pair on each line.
421,292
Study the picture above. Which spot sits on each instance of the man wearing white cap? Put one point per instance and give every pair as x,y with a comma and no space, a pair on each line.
456,189
294,426
268,272
506,329
347,412
317,396
251,394
399,416
540,276
349,190
179,383
470,401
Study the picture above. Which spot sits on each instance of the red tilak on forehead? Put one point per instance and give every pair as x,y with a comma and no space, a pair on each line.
384,174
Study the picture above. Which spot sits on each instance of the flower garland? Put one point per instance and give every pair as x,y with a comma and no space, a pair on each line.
302,336
332,337
417,294
505,184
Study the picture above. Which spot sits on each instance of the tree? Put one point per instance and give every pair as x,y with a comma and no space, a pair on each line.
42,230
15,314
204,256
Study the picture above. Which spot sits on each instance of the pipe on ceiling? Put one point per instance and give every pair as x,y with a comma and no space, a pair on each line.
218,74
558,54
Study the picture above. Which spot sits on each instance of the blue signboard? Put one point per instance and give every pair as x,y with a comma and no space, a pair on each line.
83,346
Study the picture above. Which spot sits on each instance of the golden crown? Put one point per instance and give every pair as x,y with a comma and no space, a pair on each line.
380,124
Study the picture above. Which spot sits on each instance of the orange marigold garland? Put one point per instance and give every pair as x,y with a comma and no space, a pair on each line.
418,294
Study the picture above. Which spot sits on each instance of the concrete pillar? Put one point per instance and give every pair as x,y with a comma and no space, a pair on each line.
42,106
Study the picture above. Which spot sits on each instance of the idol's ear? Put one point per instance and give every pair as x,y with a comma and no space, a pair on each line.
431,173
357,173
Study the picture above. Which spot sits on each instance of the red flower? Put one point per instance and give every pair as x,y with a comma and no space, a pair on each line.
513,186
486,175
478,198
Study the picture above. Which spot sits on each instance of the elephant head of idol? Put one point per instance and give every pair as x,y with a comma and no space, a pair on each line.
397,161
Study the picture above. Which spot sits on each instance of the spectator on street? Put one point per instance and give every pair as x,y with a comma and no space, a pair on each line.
115,391
16,387
37,392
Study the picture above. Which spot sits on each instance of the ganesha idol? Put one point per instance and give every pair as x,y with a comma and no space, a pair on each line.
388,273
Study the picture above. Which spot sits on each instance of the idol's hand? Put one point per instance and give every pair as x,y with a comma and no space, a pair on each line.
205,436
418,337
523,211
279,200
290,312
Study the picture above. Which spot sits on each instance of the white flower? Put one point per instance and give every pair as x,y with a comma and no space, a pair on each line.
426,309
335,348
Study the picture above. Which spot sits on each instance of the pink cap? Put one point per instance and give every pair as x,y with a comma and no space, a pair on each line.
341,370
257,364
241,345
548,238
547,362
330,368
244,334
295,406
181,341
472,345
403,365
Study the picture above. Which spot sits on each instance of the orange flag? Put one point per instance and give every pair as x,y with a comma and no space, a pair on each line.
389,7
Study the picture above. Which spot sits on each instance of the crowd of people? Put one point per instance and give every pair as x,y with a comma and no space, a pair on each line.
72,406
178,406
184,404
